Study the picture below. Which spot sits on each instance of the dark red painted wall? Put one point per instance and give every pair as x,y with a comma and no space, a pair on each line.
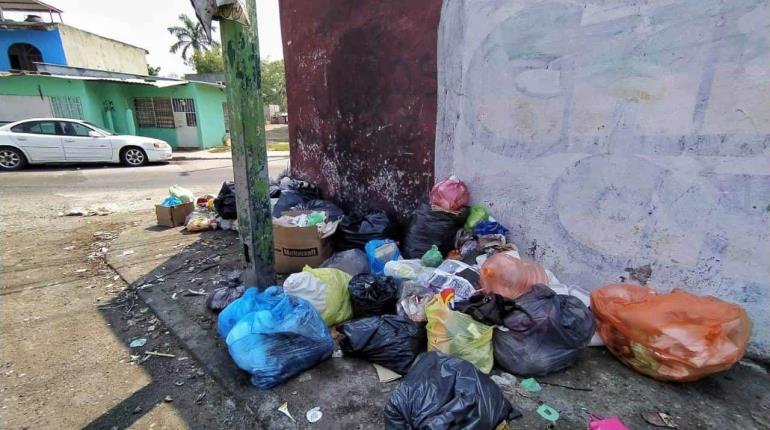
361,83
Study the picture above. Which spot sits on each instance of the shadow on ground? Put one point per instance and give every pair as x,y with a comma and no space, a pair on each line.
347,390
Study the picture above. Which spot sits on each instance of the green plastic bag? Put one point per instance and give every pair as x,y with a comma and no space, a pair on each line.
432,257
316,218
476,215
337,307
182,193
459,335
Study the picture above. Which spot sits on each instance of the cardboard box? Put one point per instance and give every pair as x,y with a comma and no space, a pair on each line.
173,216
296,247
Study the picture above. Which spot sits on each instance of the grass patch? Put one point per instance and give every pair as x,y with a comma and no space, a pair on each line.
219,149
277,146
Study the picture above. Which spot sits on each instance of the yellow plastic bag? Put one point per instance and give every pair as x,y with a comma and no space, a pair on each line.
459,335
337,308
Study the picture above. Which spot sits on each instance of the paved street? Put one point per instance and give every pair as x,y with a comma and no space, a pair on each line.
62,363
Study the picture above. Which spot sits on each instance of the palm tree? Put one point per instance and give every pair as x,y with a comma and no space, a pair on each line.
190,35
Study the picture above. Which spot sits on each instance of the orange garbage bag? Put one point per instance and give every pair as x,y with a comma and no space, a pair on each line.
509,276
671,337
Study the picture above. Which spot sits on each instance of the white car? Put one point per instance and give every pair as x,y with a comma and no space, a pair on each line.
62,140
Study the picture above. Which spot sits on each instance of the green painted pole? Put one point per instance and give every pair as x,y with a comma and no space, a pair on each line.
240,48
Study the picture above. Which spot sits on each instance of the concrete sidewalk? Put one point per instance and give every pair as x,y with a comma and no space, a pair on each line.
347,389
205,154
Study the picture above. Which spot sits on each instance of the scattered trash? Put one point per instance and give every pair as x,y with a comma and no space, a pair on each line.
413,299
168,399
659,419
379,252
505,381
314,415
510,277
391,341
432,257
137,410
325,289
159,354
531,385
138,342
459,335
284,409
127,252
384,374
671,337
280,340
201,219
352,262
446,392
372,295
450,194
200,292
337,354
548,413
599,423
179,383
223,296
200,397
461,278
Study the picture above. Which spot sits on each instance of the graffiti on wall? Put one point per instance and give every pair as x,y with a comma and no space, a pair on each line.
361,84
617,145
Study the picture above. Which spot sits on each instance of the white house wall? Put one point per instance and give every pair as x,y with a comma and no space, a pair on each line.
612,135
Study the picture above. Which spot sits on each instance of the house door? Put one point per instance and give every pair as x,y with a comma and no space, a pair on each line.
186,122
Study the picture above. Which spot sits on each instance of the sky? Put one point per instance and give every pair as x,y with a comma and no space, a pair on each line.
143,23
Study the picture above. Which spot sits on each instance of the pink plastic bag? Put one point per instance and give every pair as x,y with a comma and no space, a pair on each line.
612,423
450,195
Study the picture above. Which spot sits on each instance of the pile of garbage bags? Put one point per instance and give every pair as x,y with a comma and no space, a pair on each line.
451,299
210,212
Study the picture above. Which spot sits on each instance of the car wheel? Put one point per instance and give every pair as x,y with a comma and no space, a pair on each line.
12,159
133,157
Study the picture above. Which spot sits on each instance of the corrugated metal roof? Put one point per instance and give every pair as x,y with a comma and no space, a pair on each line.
27,6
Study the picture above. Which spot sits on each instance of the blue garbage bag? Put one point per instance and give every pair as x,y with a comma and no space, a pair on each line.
379,252
489,227
251,301
171,201
279,342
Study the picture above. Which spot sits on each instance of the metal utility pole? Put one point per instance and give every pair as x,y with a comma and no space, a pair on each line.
240,49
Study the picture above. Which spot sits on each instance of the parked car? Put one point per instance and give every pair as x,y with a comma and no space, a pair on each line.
62,140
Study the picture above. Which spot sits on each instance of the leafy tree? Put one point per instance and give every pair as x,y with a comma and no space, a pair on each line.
190,35
152,71
210,61
273,83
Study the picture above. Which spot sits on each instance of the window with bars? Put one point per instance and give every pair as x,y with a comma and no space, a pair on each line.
66,107
186,106
154,112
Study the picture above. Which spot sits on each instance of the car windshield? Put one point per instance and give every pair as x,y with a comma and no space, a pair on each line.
100,130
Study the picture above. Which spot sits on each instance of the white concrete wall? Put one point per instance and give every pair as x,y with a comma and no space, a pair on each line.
614,134
84,49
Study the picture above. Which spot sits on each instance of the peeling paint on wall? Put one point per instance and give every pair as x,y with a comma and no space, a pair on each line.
361,84
619,139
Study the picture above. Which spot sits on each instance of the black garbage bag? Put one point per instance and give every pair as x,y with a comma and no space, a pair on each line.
225,201
443,392
546,333
294,192
333,211
489,309
352,262
430,227
354,231
230,290
391,341
372,295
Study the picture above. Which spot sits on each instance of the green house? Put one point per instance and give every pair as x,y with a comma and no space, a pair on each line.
186,114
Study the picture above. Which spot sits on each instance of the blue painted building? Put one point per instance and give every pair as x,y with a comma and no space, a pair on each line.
27,38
